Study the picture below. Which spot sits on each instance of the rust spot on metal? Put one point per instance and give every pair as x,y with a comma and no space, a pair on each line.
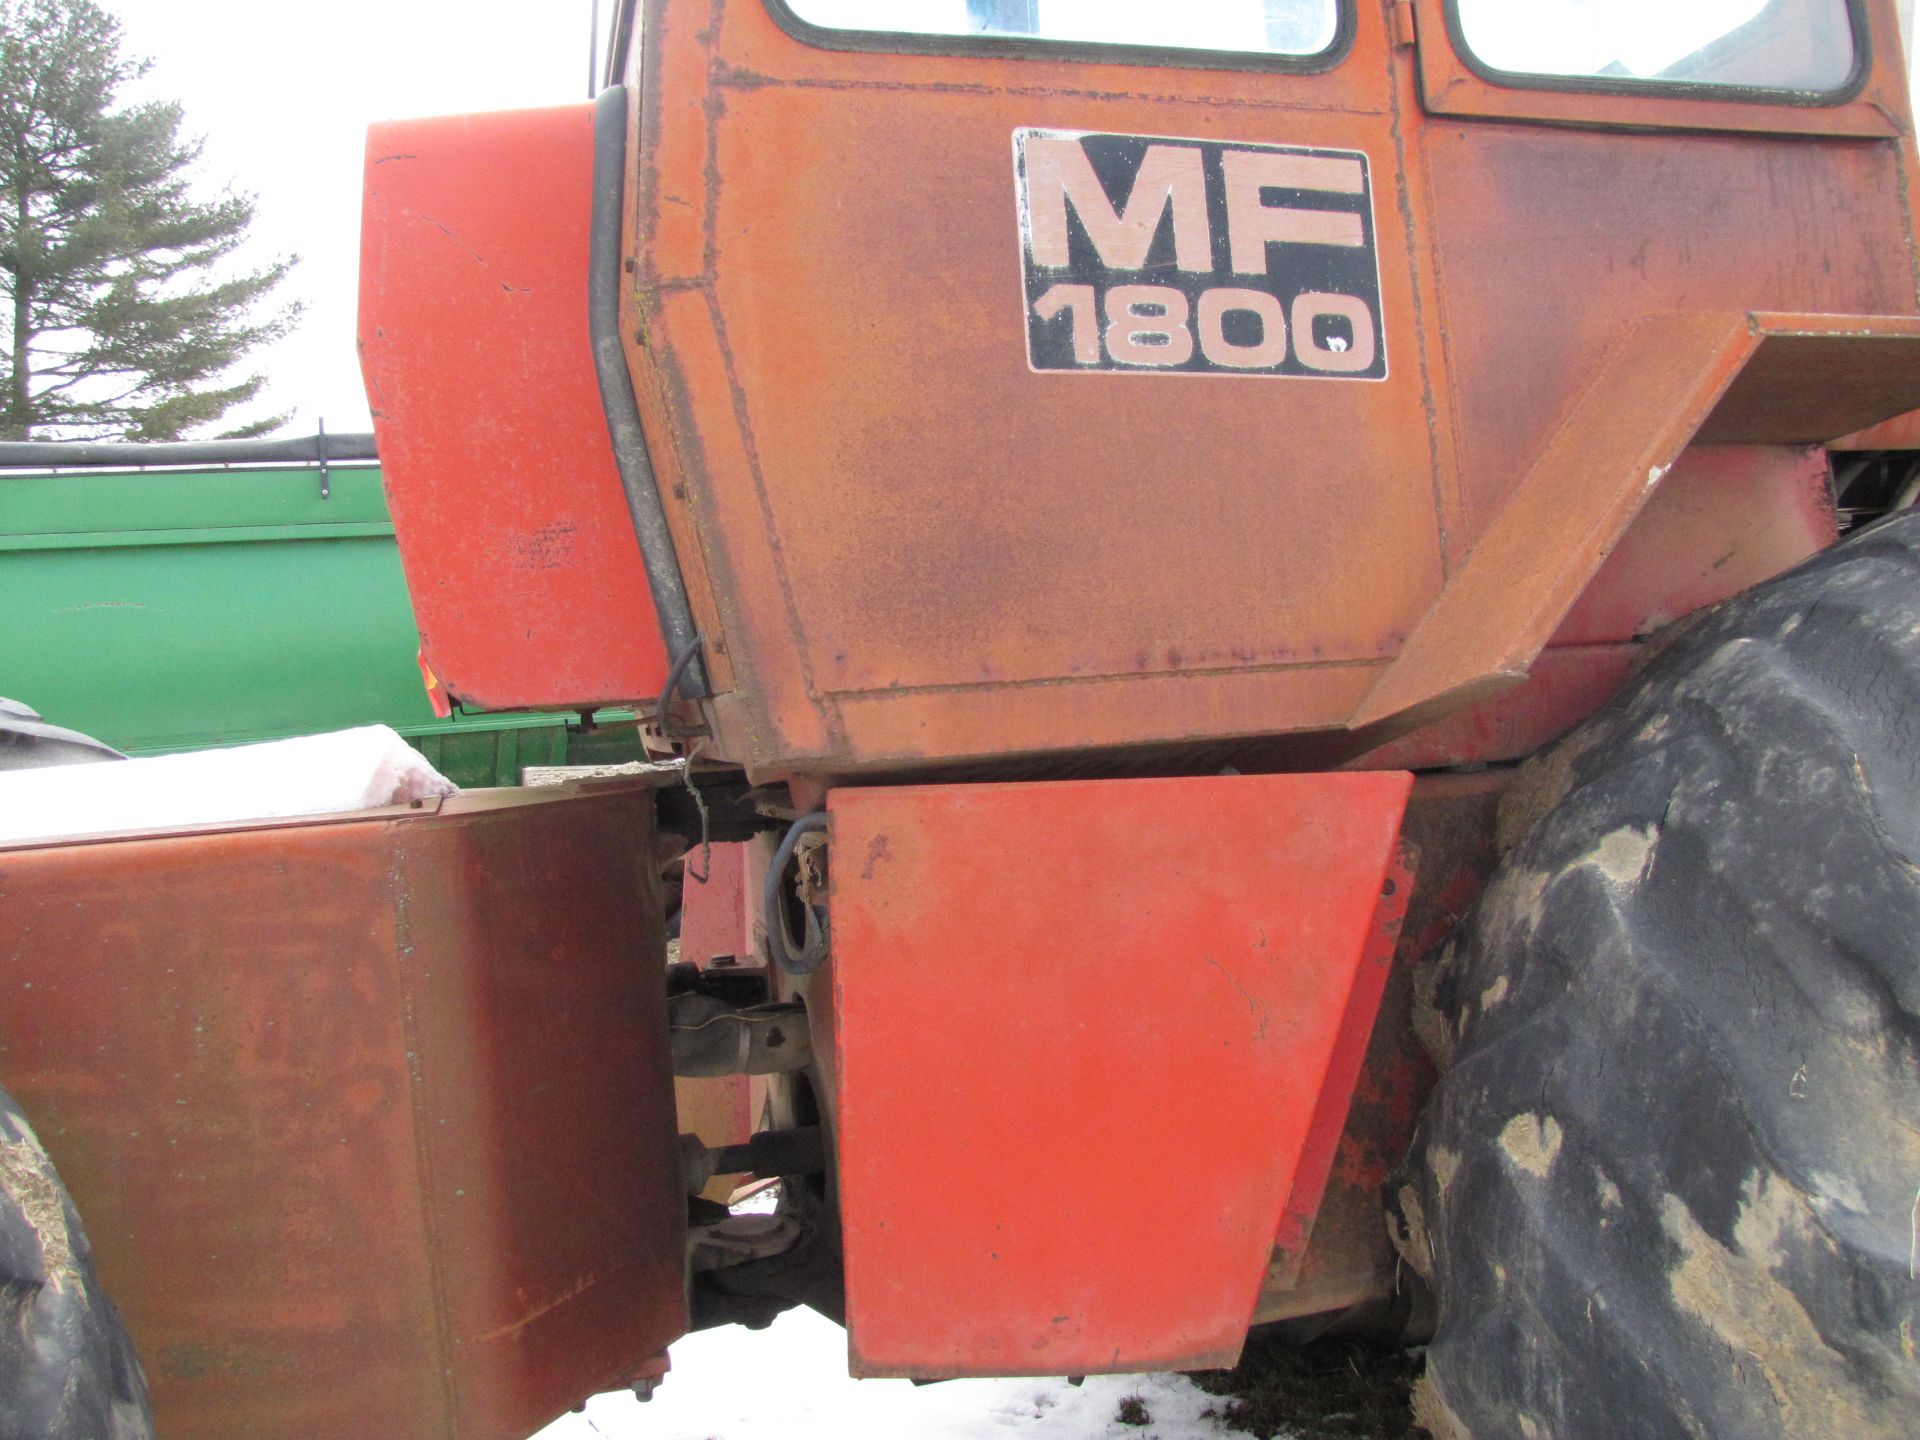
379,1098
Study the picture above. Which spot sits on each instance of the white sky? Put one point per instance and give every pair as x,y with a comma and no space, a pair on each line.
283,94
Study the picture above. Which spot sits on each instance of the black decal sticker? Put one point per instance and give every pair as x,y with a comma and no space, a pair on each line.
1142,253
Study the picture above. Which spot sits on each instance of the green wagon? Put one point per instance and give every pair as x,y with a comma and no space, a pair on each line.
172,597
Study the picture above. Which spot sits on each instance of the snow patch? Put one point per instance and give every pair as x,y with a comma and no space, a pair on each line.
791,1380
347,770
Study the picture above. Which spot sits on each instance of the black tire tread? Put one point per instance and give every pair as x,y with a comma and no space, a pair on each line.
67,1366
1669,1184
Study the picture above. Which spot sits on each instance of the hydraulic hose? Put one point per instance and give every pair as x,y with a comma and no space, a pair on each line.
806,955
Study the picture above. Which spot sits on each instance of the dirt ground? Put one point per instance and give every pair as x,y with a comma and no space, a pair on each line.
1329,1390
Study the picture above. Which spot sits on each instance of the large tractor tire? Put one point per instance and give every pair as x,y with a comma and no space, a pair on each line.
1669,1183
67,1367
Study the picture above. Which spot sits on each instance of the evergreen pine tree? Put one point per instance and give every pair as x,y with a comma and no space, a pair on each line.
118,317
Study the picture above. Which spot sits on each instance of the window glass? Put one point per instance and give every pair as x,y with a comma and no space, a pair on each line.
1264,27
1764,44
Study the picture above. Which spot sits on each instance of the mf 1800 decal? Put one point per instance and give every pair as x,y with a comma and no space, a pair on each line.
1143,253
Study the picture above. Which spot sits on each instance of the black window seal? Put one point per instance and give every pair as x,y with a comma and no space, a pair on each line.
606,279
1007,47
1863,57
620,44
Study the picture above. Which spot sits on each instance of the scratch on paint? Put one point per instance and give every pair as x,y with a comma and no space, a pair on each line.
1253,1006
478,258
507,1332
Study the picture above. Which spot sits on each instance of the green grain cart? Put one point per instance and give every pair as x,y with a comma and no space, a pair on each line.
172,597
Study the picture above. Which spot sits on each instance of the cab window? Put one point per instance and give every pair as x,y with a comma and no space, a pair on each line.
1803,46
1298,28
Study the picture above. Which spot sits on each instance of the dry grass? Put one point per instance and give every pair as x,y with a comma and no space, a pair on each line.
1133,1411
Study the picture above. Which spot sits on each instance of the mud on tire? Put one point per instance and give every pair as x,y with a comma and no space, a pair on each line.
1669,1184
67,1367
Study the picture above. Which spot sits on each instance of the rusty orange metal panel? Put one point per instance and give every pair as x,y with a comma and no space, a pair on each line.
1564,686
1774,379
984,559
370,1119
718,919
1725,518
1331,1113
1554,242
1900,433
889,578
719,1109
1812,377
1565,517
720,911
1029,981
1348,1258
527,579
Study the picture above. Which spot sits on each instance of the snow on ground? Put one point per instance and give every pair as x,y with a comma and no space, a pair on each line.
790,1380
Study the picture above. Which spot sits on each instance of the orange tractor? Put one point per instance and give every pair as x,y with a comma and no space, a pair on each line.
1272,722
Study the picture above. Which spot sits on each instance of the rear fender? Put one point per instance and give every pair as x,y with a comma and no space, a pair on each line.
1092,1048
528,580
